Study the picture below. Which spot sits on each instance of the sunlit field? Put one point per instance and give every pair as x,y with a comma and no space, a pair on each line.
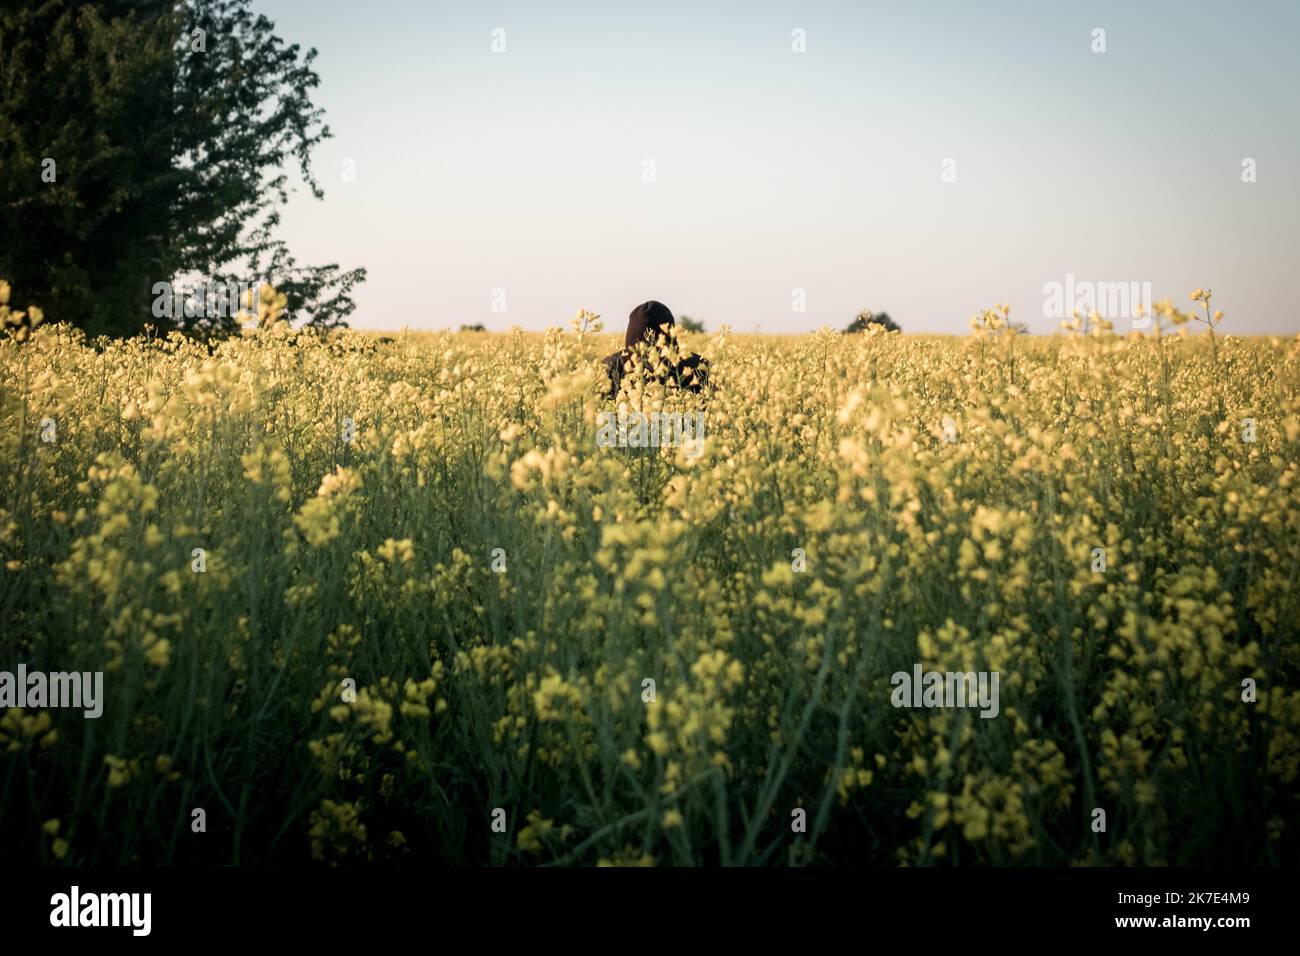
361,598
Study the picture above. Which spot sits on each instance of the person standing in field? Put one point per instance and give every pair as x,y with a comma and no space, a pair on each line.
647,331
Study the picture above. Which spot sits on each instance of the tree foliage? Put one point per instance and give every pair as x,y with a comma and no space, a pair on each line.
866,318
146,141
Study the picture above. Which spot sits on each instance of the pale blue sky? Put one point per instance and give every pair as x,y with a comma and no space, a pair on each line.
821,170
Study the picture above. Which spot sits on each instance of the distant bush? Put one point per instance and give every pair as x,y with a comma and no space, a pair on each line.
866,318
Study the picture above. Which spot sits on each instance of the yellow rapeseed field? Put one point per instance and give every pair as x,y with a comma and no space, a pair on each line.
361,599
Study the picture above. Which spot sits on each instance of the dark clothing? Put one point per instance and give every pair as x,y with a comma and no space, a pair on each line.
691,373
646,324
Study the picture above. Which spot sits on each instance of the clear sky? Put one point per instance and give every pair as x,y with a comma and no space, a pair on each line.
822,170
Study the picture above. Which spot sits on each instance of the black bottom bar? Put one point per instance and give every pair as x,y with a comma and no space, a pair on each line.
335,906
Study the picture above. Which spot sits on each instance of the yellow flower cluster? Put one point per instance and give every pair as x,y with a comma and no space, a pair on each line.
373,597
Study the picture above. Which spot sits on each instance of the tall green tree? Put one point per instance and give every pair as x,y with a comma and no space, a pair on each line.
148,141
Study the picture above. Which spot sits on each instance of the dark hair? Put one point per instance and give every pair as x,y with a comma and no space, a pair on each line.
648,319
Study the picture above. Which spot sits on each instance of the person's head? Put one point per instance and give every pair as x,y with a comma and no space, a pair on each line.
648,322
